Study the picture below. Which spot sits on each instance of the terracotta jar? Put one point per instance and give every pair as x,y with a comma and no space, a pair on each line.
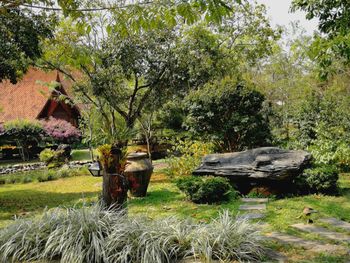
138,172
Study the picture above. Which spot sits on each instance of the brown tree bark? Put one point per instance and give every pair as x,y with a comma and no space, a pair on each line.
114,188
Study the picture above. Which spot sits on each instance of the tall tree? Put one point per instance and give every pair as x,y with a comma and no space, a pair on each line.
334,23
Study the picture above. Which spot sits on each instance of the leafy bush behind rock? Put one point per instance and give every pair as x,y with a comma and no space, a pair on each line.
206,189
186,156
97,235
319,179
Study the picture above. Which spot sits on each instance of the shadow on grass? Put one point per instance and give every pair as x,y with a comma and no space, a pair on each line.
20,202
157,197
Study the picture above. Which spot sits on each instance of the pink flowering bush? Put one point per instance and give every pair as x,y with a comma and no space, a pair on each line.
61,130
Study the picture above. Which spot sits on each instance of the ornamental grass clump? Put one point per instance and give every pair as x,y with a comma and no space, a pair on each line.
98,235
227,239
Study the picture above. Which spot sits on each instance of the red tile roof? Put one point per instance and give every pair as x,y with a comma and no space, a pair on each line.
27,98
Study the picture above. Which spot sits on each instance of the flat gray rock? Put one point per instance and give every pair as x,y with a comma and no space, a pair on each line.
255,200
251,216
324,232
265,162
306,244
252,207
336,223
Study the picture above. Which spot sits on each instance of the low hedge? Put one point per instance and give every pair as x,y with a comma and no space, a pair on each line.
206,189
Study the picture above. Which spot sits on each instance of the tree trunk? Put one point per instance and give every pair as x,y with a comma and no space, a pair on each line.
114,188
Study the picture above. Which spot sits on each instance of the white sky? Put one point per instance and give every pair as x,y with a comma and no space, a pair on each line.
278,11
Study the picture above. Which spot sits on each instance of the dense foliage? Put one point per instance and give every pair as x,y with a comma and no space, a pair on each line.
333,21
86,234
61,131
21,31
228,114
320,179
26,134
185,156
206,190
52,158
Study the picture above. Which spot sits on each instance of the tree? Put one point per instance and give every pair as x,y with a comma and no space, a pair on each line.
334,20
20,34
133,57
229,114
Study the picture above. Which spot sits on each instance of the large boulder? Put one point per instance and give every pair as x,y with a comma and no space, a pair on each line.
266,165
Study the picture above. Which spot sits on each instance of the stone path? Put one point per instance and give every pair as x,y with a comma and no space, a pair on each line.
336,223
250,216
254,206
260,207
324,232
255,200
303,243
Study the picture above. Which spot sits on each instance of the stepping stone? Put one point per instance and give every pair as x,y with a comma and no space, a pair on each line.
323,232
255,200
252,207
336,223
250,216
306,244
276,256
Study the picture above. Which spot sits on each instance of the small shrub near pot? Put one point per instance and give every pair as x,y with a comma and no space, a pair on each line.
206,189
319,179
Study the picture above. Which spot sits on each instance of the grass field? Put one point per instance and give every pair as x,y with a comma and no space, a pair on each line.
164,199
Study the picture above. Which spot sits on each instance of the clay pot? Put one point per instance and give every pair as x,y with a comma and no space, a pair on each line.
138,172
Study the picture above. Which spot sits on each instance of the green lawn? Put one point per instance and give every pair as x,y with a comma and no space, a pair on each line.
164,199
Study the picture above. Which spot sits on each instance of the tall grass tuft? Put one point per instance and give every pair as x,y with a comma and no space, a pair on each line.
227,239
98,235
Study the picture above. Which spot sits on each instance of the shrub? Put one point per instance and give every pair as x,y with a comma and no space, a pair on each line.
66,171
42,178
98,235
13,180
27,179
46,155
61,131
52,158
186,156
320,179
206,189
229,114
25,133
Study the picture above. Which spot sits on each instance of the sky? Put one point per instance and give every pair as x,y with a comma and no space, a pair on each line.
278,11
